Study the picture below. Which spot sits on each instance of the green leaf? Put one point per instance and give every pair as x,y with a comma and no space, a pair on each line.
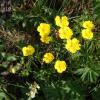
88,74
3,96
11,58
97,9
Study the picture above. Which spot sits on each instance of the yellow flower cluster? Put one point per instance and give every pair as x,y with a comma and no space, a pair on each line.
64,32
73,45
44,32
87,32
60,66
27,51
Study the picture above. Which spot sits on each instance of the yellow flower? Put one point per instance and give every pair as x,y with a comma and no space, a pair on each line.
88,25
87,34
60,66
44,29
46,39
61,22
27,51
48,57
65,33
73,45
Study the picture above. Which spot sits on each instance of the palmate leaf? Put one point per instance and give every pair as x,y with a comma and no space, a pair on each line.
88,74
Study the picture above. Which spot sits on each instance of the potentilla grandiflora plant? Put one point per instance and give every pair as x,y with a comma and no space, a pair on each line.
64,32
61,45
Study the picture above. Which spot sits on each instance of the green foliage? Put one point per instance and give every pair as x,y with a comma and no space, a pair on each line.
81,80
97,10
88,74
2,95
96,93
